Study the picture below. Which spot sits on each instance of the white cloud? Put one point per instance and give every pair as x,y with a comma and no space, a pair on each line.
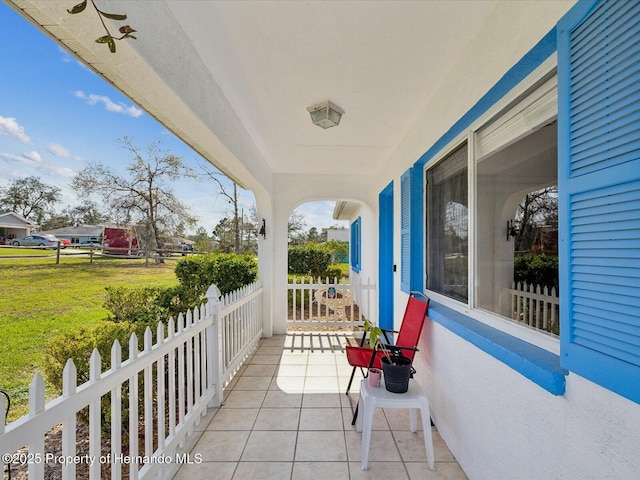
60,171
60,151
109,105
9,126
33,156
30,159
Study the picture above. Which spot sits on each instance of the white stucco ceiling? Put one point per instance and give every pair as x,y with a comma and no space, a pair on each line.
234,78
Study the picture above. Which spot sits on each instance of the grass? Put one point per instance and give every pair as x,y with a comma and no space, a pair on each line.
40,298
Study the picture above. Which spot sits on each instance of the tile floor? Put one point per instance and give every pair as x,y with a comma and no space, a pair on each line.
285,416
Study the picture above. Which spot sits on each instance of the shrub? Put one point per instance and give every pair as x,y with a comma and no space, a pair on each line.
227,271
78,344
309,260
536,269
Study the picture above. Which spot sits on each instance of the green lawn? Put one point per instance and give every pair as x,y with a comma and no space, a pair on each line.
40,298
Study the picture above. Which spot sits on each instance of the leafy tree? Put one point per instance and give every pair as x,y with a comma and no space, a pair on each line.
203,242
30,198
87,213
142,197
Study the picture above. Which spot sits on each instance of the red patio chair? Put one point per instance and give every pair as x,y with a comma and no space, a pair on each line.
408,337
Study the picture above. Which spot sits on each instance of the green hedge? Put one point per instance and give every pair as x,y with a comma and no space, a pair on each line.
227,271
536,269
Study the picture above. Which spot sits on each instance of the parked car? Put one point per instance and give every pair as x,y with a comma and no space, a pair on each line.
64,242
47,241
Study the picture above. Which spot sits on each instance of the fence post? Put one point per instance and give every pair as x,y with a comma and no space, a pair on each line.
214,346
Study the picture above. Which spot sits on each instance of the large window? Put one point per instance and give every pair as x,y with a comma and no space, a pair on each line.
517,230
493,228
448,226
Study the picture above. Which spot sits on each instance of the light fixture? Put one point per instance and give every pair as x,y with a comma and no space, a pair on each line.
325,114
512,231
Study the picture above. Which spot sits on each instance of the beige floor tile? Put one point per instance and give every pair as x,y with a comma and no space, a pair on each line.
207,471
322,371
378,471
254,370
443,471
278,419
253,383
244,399
288,384
325,446
320,471
379,421
263,470
321,419
294,358
234,419
411,445
292,370
266,359
277,399
270,447
225,446
399,419
269,350
319,400
275,341
382,448
322,358
440,448
321,384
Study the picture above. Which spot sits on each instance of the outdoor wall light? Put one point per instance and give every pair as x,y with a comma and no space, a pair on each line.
512,231
325,114
263,229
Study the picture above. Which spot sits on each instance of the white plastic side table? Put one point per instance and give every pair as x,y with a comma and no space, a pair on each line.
378,397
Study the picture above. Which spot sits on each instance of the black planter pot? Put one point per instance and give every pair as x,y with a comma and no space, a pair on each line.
396,375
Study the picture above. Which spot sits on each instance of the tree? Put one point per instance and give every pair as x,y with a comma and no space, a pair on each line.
144,196
295,228
232,197
203,242
537,211
30,198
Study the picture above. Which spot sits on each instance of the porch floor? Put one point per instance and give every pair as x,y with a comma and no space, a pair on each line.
285,416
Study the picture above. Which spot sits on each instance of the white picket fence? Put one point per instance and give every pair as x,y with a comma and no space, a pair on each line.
322,304
164,389
535,306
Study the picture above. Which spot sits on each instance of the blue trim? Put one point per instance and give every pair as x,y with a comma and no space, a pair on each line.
385,260
356,245
416,252
536,364
527,64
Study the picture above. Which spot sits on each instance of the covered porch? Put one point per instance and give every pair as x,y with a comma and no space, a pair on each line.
285,416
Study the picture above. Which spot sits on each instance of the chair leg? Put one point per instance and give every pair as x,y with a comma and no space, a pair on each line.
355,414
353,372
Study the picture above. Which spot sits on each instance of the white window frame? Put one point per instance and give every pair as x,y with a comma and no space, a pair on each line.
538,77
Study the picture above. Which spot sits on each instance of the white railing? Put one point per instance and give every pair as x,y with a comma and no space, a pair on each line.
163,390
326,304
535,306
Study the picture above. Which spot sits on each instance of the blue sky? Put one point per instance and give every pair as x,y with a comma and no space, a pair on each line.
56,116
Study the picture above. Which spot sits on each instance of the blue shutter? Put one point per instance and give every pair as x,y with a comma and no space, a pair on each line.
356,245
405,231
599,186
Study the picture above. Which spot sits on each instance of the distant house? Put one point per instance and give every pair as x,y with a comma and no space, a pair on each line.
79,234
341,234
13,225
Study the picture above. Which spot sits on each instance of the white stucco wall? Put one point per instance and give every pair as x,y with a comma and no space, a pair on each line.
500,425
369,260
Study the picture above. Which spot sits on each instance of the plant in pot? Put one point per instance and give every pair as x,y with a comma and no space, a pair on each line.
397,368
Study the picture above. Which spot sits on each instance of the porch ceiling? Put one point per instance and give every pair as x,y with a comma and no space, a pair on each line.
234,79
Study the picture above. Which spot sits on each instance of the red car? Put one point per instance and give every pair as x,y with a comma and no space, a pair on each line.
64,242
